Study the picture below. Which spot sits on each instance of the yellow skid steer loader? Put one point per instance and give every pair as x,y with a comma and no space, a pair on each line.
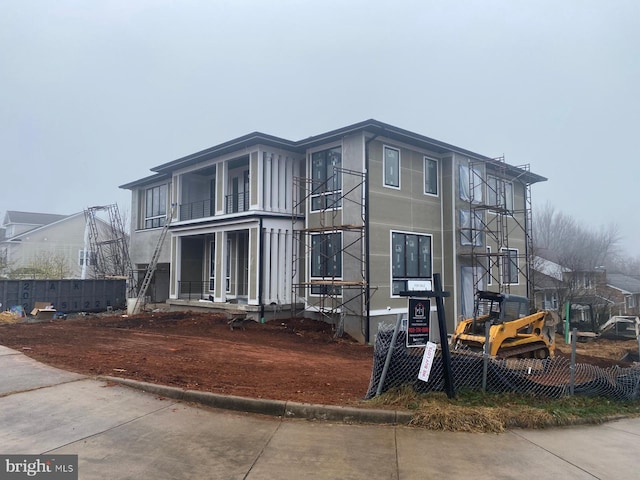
513,332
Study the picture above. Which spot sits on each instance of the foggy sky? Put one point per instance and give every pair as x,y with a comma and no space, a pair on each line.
95,93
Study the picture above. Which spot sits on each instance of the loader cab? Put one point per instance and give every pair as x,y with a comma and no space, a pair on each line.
500,307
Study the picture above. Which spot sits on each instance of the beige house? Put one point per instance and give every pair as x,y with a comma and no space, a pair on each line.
41,245
338,225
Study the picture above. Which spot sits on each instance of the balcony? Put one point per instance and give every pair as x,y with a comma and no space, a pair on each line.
236,203
195,210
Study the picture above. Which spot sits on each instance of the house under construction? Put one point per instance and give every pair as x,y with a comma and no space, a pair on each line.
335,226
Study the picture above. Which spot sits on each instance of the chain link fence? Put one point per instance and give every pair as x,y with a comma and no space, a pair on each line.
552,377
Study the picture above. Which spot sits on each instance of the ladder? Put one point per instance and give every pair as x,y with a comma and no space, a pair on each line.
151,268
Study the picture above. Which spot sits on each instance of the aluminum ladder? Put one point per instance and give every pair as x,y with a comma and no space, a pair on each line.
151,268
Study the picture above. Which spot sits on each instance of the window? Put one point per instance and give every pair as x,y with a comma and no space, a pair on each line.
510,266
228,274
489,273
631,301
212,266
499,193
91,258
550,301
326,178
430,176
391,167
410,259
581,280
155,210
471,228
470,183
326,261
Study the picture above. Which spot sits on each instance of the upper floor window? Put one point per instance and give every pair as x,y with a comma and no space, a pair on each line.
471,228
391,167
582,280
430,176
470,183
510,266
550,301
155,208
326,177
410,259
499,193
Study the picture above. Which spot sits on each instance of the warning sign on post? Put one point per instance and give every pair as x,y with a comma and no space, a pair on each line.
418,322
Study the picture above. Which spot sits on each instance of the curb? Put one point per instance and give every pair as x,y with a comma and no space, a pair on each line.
276,408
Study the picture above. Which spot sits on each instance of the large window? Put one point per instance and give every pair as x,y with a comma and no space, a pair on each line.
391,167
327,179
510,266
410,259
212,266
430,176
155,209
499,193
326,261
471,228
631,301
470,183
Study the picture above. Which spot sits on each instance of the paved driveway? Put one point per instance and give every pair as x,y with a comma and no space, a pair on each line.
120,433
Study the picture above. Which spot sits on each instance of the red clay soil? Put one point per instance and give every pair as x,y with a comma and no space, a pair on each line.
292,359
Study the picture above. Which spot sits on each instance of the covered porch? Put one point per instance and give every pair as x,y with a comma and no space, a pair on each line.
236,267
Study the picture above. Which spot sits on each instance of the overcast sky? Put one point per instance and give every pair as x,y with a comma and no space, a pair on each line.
95,93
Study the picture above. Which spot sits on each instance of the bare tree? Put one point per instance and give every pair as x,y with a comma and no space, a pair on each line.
44,266
5,263
573,245
582,254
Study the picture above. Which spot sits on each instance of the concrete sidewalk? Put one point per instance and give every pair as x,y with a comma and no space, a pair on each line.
118,433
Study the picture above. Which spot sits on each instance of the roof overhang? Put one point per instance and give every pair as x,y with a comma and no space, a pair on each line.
371,128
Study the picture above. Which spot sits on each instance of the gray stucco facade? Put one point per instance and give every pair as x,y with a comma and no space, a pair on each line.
336,225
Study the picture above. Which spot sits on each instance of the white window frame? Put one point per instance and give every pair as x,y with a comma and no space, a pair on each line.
427,159
228,267
465,182
324,194
91,258
501,190
475,236
550,301
489,266
160,216
508,258
405,277
385,148
212,265
325,277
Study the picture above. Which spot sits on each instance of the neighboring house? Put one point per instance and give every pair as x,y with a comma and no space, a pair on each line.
608,293
338,224
37,244
627,292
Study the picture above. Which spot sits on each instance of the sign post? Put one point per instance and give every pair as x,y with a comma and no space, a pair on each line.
439,294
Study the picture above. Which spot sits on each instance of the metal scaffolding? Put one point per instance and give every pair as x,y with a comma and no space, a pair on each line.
497,219
337,293
108,252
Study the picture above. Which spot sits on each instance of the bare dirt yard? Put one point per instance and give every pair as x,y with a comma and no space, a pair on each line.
291,359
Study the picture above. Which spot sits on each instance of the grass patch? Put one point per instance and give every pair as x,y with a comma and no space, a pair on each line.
476,411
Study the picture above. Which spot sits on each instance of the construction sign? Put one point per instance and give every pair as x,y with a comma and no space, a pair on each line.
418,322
